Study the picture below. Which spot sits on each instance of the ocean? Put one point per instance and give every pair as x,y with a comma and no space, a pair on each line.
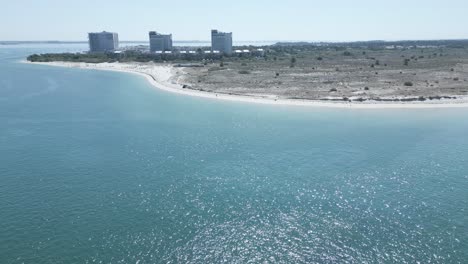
101,167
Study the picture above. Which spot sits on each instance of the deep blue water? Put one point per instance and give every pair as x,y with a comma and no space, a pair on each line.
101,167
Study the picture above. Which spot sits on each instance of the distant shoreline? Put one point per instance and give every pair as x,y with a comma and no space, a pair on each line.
166,77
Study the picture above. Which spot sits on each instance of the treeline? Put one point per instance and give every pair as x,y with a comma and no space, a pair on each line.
457,43
74,57
135,56
128,56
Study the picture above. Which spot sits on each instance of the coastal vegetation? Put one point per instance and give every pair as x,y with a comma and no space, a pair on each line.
358,71
344,73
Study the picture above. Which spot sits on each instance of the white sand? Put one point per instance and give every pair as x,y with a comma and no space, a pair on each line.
165,77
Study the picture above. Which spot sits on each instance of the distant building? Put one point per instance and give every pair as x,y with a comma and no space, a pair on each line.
160,42
103,41
221,41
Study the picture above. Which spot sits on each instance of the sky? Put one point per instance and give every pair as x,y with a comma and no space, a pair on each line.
249,20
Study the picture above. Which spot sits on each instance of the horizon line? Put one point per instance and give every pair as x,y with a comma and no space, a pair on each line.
292,41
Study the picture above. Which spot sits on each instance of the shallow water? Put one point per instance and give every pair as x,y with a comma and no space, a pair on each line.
99,166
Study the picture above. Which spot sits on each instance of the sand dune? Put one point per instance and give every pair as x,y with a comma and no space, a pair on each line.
168,78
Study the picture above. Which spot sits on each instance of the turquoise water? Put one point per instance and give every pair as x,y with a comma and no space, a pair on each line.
100,167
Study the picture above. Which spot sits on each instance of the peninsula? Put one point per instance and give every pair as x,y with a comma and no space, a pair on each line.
361,73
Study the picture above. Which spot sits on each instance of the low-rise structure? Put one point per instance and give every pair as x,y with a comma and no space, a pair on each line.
103,41
160,42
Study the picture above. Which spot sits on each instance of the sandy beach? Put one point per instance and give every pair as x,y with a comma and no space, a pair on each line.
168,78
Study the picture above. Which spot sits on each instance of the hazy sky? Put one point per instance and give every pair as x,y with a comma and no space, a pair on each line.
325,20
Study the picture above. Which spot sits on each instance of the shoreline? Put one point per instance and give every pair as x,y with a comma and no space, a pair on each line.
163,77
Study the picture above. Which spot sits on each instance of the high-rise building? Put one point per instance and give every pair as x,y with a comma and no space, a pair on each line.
103,41
221,41
160,42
